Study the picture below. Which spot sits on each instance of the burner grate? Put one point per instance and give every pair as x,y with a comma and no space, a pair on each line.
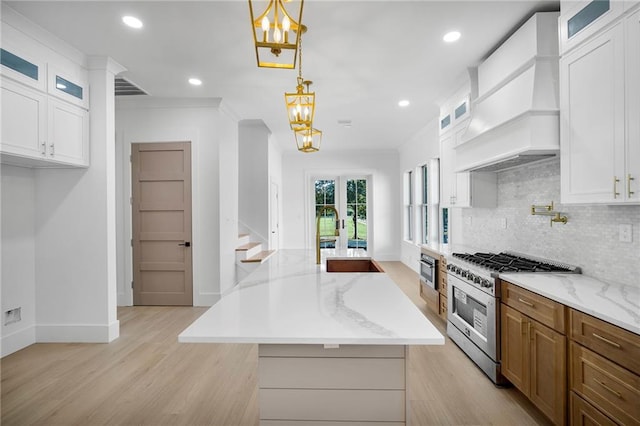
512,262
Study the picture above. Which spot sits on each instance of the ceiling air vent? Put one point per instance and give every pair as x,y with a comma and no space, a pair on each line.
126,88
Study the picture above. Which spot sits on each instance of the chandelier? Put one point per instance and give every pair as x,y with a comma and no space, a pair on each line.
301,105
275,46
308,139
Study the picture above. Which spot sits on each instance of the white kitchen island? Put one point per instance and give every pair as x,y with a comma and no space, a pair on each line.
332,346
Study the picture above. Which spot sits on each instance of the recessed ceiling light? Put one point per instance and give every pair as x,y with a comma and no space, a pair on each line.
195,81
451,36
403,103
132,21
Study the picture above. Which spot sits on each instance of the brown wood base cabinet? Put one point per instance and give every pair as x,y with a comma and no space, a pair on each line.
604,372
533,355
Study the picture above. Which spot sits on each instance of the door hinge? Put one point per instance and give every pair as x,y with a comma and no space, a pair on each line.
131,284
130,200
132,242
131,158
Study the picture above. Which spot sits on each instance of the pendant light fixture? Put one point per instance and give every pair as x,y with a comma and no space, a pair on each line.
276,34
301,105
308,139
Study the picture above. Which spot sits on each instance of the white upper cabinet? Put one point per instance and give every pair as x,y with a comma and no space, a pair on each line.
455,111
24,113
599,100
464,189
581,19
45,118
632,145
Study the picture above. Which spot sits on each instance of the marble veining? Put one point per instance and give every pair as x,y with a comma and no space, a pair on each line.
616,303
290,299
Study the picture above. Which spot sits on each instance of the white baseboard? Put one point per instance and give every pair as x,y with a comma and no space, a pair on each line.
18,340
77,333
206,299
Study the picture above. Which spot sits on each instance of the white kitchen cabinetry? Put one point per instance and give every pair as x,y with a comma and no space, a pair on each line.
467,189
45,122
24,120
581,19
41,131
600,157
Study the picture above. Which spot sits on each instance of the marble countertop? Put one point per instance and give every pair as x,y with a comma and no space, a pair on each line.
615,303
290,299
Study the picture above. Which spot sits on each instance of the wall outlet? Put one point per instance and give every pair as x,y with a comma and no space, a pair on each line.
12,315
625,232
503,223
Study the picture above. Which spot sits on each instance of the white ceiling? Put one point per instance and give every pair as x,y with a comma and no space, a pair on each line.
363,56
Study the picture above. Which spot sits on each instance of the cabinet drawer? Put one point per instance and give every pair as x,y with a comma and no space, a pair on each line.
612,342
584,414
612,389
546,311
443,307
442,284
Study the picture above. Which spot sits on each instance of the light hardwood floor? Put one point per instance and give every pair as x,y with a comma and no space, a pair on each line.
147,378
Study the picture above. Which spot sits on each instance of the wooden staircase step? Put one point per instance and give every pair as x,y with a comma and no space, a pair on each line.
260,257
246,247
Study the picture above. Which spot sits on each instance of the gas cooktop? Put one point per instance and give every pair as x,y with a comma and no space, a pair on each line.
514,262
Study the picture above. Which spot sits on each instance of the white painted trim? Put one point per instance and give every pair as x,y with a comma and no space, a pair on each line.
76,333
207,299
105,63
18,340
42,36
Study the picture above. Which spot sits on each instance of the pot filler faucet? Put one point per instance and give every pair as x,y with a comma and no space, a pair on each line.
336,233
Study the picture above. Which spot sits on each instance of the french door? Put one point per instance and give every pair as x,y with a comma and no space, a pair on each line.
348,195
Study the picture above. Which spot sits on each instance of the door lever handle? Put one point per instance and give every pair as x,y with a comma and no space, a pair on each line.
185,244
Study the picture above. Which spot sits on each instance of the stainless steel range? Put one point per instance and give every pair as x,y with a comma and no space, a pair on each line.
474,301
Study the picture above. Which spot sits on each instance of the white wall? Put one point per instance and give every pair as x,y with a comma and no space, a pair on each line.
297,195
275,177
212,132
18,256
254,157
229,192
413,154
75,233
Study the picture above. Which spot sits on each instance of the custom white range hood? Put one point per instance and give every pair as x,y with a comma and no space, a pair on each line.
515,118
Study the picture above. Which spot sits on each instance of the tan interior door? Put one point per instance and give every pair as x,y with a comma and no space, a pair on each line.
161,214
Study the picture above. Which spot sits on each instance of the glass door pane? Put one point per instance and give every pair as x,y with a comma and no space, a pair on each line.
325,203
356,216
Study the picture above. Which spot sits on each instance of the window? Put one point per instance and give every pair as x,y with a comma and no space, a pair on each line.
445,225
424,210
408,196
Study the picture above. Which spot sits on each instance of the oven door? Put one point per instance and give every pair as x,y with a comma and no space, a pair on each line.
428,272
474,313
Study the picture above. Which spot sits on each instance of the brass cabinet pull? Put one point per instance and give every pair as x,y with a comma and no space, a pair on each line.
615,392
524,302
604,339
615,187
53,150
44,148
629,191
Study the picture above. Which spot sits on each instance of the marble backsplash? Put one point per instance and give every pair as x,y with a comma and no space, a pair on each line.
590,239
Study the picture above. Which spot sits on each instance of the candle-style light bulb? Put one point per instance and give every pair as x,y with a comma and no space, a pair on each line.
286,26
298,112
265,29
306,113
276,35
